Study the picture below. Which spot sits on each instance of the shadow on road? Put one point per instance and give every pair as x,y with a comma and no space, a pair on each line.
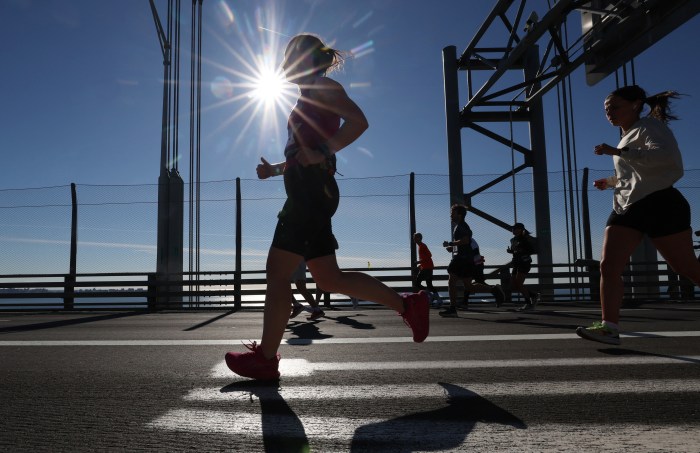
436,430
354,323
634,352
209,321
541,318
305,331
282,431
67,322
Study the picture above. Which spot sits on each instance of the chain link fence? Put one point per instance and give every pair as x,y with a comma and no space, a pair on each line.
116,226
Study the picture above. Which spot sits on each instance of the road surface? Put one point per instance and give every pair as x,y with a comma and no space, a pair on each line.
492,380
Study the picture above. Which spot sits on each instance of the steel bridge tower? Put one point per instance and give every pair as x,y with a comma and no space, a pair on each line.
613,32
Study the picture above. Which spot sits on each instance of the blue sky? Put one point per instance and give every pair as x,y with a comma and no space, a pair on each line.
81,92
81,96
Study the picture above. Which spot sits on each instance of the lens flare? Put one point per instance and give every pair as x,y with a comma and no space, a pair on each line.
221,88
225,16
251,85
360,84
362,19
363,49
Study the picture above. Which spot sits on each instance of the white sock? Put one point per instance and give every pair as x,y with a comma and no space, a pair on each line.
612,325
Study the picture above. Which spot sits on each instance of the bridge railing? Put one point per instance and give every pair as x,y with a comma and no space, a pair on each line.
226,290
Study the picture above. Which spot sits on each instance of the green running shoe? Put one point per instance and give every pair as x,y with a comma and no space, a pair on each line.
599,332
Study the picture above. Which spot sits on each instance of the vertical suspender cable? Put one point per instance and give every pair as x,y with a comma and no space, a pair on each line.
176,89
576,196
624,74
192,167
568,186
569,171
634,78
563,173
561,93
512,164
168,83
199,134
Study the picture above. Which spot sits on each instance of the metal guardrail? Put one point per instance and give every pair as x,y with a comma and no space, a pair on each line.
226,290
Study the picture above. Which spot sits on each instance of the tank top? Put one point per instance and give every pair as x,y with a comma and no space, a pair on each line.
312,192
309,125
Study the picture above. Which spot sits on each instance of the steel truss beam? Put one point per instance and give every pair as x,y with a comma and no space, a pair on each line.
616,31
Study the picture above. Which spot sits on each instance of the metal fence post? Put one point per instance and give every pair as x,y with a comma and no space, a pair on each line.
152,290
412,229
69,281
239,246
593,271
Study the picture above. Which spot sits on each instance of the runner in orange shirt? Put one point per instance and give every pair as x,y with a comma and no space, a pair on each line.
425,269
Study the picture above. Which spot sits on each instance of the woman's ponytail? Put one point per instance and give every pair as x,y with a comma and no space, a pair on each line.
660,104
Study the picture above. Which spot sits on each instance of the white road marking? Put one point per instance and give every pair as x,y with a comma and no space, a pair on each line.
302,367
463,390
242,419
460,435
373,340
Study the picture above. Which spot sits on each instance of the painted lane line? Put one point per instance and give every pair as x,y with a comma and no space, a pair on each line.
302,367
463,390
419,434
374,340
246,424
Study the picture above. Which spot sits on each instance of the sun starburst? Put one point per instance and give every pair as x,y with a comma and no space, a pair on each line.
269,86
258,92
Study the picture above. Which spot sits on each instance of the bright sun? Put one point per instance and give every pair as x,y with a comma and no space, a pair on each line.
269,86
261,92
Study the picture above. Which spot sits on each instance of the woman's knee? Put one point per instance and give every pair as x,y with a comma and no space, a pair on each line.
516,283
689,269
330,281
611,268
280,268
274,273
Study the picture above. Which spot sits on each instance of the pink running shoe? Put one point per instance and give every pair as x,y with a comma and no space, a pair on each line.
296,309
253,364
415,315
316,314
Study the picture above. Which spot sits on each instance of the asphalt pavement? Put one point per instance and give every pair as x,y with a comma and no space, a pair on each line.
491,380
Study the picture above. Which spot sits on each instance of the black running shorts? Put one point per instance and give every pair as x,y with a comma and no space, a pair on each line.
659,214
304,223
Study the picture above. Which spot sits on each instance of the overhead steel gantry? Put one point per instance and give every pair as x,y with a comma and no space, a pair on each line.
613,31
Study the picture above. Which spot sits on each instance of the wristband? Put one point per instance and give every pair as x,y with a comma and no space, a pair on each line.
277,170
323,149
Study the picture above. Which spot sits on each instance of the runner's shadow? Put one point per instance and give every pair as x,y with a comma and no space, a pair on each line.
355,324
282,431
306,330
436,430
